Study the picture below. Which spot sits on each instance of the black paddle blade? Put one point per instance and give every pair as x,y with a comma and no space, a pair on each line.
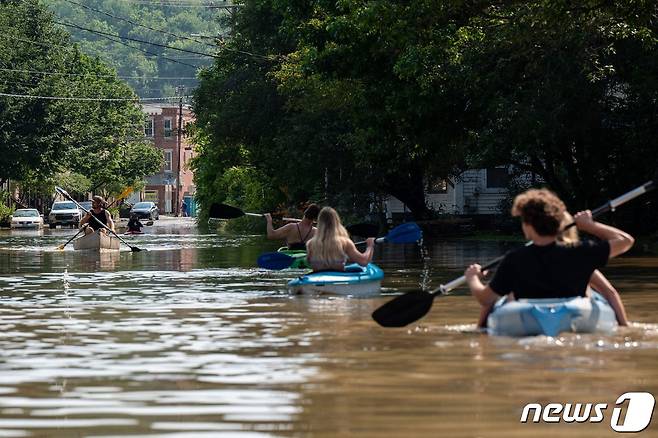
363,230
404,309
135,249
223,211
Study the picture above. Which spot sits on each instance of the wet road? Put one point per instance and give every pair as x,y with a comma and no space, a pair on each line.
190,338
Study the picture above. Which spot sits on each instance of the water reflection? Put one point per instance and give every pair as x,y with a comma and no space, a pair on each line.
190,338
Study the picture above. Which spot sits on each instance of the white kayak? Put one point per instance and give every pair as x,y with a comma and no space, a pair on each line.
550,317
356,280
96,241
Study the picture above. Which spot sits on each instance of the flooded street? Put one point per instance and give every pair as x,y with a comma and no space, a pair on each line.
191,339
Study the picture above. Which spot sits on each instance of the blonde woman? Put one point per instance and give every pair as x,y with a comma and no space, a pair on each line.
331,248
597,281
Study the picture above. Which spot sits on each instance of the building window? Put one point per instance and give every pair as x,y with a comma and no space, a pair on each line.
438,185
167,127
151,195
149,127
497,178
168,154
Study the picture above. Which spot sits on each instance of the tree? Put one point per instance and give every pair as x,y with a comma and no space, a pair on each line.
372,96
39,137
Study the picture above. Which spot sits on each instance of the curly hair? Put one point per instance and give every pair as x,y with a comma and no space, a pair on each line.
540,208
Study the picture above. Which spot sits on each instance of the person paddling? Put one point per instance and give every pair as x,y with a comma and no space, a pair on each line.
99,212
295,234
548,268
331,247
134,225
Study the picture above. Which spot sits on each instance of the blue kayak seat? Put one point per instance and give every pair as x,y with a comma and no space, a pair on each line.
551,318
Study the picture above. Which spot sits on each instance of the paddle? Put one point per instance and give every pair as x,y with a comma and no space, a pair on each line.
64,193
127,191
224,211
412,306
406,233
61,247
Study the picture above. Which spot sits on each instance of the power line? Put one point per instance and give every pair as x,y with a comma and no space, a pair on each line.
107,35
91,99
163,78
139,24
38,43
75,26
163,4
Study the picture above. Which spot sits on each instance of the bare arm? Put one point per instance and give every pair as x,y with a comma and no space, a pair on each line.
85,220
483,294
110,221
356,256
279,233
619,241
603,286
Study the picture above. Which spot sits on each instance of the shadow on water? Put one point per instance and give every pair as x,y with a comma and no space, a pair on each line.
190,338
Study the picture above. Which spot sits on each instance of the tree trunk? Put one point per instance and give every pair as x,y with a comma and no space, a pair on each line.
409,188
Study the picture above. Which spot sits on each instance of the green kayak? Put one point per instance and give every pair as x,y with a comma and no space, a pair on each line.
299,256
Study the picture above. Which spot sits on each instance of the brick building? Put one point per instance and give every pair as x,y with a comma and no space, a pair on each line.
174,183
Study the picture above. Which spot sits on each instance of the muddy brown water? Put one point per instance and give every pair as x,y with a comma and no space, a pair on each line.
191,339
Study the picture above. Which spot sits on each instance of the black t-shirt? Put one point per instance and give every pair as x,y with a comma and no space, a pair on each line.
551,271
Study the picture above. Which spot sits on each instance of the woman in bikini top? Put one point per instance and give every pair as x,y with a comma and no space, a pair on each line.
290,232
301,245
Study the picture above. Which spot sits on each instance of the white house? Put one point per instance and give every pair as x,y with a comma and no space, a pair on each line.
476,191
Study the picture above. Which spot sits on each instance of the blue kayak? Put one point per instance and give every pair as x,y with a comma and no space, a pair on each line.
355,280
550,317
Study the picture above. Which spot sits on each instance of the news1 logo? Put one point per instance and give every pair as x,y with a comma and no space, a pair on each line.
637,416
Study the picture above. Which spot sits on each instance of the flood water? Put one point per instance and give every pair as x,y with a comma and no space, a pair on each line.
191,339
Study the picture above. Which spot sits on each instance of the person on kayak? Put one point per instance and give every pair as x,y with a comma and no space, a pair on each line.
296,234
99,212
134,225
331,248
547,268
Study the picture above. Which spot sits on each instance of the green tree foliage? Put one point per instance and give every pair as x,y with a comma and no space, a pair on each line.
182,26
372,96
39,138
567,90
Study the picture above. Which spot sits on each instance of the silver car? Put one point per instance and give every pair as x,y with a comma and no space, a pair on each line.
64,213
26,218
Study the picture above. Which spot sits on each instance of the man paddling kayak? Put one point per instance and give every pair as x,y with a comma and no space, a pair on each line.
99,212
331,247
548,268
295,235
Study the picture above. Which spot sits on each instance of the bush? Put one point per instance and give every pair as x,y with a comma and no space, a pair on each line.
5,212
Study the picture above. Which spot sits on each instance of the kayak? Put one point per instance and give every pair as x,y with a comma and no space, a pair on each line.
96,241
355,280
130,233
532,317
299,255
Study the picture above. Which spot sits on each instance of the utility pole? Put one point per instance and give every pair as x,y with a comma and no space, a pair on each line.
179,143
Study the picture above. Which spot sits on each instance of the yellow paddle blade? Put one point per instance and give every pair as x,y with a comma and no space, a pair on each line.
127,191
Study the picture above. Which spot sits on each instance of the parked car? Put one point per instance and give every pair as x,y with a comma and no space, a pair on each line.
146,210
64,213
26,218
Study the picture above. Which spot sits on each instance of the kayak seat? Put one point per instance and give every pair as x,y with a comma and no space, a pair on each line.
551,318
